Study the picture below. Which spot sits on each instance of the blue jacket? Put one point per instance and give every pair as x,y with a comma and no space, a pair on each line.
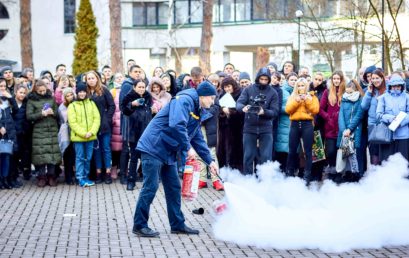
126,87
350,117
369,103
281,145
176,128
253,123
389,106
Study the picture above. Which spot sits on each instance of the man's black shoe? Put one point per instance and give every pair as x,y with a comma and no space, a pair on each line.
145,232
185,230
130,186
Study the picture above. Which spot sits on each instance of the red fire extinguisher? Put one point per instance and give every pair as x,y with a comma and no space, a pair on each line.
191,176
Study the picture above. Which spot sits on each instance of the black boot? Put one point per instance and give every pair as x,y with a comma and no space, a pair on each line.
122,179
1,183
6,184
98,179
27,174
307,177
290,172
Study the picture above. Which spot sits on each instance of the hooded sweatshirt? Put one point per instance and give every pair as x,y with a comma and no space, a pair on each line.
254,123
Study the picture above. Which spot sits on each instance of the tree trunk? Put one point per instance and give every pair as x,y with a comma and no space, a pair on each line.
25,34
117,63
262,57
207,36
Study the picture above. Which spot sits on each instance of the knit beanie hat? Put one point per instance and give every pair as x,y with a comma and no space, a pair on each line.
206,89
80,87
244,76
5,68
66,91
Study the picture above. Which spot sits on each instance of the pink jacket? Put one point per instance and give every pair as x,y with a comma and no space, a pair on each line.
116,141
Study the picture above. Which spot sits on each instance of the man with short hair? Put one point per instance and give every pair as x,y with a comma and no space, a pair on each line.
176,128
229,69
7,73
61,69
135,73
260,104
129,64
196,77
304,72
106,74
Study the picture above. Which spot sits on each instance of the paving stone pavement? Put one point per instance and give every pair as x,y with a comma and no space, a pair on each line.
32,224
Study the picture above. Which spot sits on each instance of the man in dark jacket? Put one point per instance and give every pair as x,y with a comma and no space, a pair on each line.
176,128
260,104
135,73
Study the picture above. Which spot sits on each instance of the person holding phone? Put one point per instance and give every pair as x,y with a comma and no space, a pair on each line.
42,112
302,106
137,105
369,103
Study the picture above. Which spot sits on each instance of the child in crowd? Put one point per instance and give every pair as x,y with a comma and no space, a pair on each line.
84,120
66,146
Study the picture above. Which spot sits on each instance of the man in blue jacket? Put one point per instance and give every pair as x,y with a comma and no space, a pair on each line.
176,128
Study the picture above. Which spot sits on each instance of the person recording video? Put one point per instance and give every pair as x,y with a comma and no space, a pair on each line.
259,102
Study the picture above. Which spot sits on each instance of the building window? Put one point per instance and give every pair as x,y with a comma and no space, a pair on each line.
69,16
4,14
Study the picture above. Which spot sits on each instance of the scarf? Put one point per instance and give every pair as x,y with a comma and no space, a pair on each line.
353,97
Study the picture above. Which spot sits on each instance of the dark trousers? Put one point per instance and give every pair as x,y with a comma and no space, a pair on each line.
124,159
361,153
46,169
281,157
300,130
133,164
151,169
331,151
69,163
395,146
251,152
21,159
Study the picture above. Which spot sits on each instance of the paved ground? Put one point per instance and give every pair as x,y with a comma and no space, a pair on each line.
32,224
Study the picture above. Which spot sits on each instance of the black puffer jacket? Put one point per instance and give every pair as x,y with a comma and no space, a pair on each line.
139,117
106,106
211,124
23,126
253,123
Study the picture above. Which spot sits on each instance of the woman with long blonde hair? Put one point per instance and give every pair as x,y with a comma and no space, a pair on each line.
302,106
106,106
329,110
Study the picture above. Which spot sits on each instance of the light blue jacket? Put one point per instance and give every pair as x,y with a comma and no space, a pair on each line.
389,106
370,103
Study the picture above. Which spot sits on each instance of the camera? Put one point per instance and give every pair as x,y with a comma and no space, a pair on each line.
257,102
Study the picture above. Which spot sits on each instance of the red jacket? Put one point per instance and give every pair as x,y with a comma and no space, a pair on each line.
330,115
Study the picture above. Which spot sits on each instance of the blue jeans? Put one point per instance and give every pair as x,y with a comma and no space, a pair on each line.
83,155
5,164
151,167
263,153
103,152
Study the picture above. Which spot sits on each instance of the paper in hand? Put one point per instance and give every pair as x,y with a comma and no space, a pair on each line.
227,101
397,121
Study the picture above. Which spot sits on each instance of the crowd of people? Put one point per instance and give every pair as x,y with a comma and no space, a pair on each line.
87,127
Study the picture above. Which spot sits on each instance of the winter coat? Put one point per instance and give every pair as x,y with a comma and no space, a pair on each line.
319,122
330,115
369,103
350,117
389,106
126,87
83,117
230,146
211,124
175,129
106,107
254,123
6,121
139,116
281,144
303,110
116,140
21,123
45,148
162,98
64,132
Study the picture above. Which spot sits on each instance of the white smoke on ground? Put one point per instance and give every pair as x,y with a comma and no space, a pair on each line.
278,212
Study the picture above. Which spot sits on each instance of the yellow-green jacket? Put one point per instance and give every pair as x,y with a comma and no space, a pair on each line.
83,117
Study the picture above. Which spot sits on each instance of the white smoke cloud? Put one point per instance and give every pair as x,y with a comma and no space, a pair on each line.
282,213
